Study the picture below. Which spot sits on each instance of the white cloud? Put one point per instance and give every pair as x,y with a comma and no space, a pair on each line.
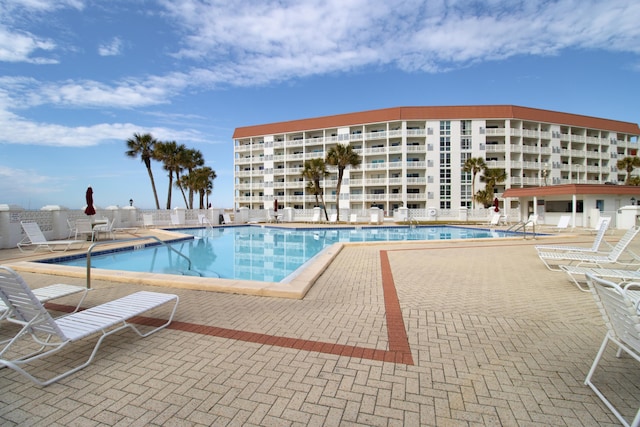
21,46
112,48
258,41
15,183
28,92
20,130
30,6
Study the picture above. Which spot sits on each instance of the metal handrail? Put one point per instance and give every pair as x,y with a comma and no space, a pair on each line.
522,225
133,239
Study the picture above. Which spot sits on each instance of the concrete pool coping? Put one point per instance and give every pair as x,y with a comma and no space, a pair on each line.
295,288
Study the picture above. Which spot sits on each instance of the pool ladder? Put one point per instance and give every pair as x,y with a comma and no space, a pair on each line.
522,225
412,222
135,247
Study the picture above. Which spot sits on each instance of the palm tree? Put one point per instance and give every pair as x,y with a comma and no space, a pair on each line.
628,163
182,159
342,156
314,171
144,146
189,160
200,180
483,197
475,165
167,153
492,177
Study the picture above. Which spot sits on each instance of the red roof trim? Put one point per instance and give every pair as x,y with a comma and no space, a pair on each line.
431,113
571,189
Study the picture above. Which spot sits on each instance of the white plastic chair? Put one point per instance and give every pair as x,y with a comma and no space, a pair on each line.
622,320
593,248
53,335
495,220
596,259
43,294
563,223
147,220
34,238
84,229
620,274
103,229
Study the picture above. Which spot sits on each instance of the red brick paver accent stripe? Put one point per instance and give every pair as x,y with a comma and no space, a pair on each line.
399,350
396,331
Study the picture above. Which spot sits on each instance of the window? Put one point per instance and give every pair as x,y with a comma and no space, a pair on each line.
445,176
445,127
465,127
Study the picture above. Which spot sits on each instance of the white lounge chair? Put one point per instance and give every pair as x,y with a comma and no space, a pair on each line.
596,259
35,238
333,218
175,219
565,248
563,223
495,220
622,275
43,294
147,221
226,218
599,223
72,228
622,320
106,229
353,218
54,335
84,230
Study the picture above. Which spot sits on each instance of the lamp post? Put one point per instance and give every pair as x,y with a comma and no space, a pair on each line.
130,202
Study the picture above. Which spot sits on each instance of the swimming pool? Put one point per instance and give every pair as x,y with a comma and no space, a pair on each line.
265,254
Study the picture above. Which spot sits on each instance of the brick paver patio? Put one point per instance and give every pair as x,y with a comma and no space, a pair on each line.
454,333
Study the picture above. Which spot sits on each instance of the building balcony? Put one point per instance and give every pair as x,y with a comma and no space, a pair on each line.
501,164
410,165
419,180
495,148
416,132
495,132
375,150
416,149
416,196
250,199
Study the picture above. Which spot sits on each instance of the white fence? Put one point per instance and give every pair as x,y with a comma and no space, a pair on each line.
56,222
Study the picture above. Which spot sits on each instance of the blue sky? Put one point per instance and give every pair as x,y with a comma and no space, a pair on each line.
79,77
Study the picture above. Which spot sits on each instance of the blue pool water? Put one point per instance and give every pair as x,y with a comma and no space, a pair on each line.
267,254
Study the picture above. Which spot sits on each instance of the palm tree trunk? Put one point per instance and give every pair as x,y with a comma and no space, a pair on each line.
182,191
170,185
153,186
324,207
338,186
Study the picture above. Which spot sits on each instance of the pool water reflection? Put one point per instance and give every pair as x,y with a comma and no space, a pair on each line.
267,254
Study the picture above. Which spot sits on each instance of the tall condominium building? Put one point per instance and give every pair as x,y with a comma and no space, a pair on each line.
413,156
